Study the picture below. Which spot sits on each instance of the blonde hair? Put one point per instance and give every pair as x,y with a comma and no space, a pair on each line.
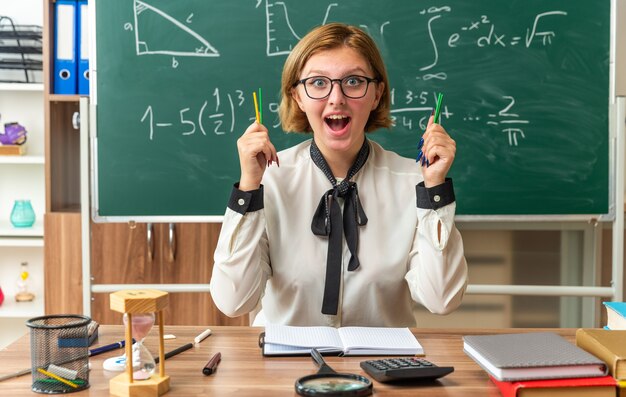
328,37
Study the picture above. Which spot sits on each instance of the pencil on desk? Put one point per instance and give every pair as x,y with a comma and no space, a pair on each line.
15,374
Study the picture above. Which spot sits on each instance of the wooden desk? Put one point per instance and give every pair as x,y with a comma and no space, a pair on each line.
245,372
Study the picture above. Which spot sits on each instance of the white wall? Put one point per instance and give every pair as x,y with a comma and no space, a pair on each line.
24,12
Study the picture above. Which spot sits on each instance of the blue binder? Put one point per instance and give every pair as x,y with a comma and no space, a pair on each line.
82,22
65,68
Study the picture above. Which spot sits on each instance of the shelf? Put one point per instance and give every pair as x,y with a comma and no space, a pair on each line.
26,159
63,98
34,87
67,209
21,242
11,308
20,234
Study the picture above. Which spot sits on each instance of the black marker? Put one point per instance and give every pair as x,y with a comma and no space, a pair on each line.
175,352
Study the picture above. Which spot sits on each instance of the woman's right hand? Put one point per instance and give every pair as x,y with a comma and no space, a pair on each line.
256,152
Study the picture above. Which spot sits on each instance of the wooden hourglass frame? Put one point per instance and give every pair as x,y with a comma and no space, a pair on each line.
131,302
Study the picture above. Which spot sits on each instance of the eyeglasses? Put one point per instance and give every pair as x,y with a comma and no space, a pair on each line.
320,87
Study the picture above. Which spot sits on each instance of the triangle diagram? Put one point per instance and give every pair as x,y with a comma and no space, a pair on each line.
156,32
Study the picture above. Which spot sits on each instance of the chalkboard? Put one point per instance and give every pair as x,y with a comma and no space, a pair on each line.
525,83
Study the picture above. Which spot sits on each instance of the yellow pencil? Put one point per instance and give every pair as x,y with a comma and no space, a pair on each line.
256,108
53,376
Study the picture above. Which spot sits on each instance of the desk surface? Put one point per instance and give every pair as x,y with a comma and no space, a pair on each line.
245,372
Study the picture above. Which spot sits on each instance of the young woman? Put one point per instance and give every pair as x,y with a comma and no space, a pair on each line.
339,231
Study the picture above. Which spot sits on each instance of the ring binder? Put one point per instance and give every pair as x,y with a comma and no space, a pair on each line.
65,47
82,41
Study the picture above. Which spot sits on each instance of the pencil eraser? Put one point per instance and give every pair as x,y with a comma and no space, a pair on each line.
169,336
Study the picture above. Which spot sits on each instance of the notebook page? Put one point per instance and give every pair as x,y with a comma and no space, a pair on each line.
378,338
302,336
271,349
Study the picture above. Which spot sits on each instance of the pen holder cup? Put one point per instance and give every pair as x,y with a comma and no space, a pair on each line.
59,353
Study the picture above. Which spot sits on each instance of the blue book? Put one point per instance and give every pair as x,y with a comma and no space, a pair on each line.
616,315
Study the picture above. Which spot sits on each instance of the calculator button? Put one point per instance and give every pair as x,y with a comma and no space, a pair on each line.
388,370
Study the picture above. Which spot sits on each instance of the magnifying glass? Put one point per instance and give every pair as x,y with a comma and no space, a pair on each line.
327,382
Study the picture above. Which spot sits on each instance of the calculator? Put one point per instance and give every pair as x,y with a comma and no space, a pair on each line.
405,368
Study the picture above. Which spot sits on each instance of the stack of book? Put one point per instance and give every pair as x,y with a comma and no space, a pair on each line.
609,344
539,364
616,315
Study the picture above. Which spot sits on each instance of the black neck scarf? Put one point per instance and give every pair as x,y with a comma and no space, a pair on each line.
327,222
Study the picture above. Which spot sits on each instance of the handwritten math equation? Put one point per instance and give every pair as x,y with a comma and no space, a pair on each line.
217,116
281,33
224,113
483,32
231,112
416,117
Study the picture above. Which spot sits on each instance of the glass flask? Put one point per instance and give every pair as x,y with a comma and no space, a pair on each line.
22,214
143,362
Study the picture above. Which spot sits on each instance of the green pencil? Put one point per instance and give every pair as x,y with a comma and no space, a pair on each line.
260,106
438,107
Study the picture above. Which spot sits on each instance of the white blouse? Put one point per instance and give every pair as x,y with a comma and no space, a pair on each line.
270,255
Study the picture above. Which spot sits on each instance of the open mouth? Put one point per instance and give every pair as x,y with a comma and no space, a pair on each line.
337,122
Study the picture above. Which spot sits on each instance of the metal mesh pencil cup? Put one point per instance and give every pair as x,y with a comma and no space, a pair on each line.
59,353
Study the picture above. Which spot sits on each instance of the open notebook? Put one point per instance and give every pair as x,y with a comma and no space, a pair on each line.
281,340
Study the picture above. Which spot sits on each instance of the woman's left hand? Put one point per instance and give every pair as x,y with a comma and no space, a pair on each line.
439,149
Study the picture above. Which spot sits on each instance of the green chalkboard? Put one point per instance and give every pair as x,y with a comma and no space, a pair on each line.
526,86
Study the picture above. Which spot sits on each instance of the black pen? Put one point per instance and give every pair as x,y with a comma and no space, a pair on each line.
211,366
175,352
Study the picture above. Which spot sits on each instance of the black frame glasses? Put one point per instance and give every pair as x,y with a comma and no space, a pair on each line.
343,83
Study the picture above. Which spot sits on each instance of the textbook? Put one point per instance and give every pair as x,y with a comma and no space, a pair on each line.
281,340
601,386
534,355
608,345
616,315
621,388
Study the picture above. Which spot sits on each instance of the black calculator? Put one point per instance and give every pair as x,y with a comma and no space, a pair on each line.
405,368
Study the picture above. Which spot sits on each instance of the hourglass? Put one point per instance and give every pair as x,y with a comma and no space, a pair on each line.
143,363
139,308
